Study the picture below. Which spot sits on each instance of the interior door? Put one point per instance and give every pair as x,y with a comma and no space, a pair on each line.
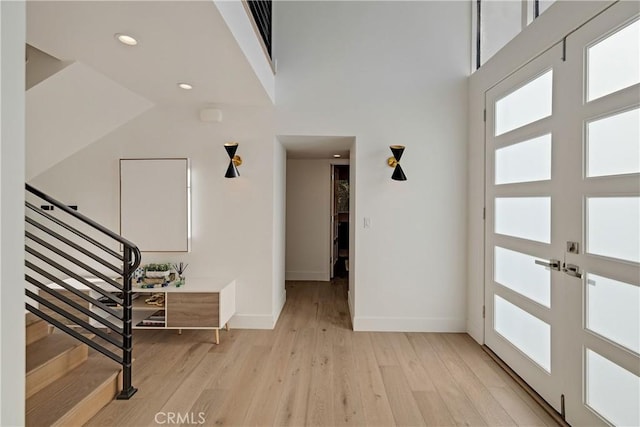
562,285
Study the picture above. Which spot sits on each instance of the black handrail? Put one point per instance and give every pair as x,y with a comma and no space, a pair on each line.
94,242
261,13
74,245
84,219
48,240
70,258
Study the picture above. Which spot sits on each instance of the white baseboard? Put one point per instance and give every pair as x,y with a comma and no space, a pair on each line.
251,321
278,311
409,324
258,321
351,312
314,276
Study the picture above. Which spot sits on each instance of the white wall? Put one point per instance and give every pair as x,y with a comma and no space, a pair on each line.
233,220
352,230
85,111
308,219
279,227
389,73
242,28
557,22
12,148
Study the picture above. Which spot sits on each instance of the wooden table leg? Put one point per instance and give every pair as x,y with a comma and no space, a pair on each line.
226,326
179,331
217,336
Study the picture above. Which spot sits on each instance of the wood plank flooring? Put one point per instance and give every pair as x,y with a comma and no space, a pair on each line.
313,370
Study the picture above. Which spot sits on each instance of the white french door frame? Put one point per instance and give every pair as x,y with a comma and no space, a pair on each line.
578,111
565,386
545,383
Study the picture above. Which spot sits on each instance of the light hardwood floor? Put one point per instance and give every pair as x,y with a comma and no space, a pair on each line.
312,369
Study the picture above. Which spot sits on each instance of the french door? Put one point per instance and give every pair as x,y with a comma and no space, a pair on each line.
562,285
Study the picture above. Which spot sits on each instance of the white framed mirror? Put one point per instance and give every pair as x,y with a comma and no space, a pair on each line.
155,212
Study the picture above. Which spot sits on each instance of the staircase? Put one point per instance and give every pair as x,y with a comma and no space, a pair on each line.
66,383
79,303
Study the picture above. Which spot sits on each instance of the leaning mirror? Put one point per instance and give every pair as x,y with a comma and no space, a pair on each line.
154,203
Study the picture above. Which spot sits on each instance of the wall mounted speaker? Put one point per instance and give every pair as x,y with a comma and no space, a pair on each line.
211,115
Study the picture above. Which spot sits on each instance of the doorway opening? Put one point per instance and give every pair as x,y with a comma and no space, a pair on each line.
319,198
340,221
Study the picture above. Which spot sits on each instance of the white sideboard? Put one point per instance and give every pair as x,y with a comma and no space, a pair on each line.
202,303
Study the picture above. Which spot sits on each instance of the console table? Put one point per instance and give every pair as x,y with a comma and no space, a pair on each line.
202,303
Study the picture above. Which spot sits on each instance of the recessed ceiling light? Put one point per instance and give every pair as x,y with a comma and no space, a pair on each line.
126,39
185,86
336,155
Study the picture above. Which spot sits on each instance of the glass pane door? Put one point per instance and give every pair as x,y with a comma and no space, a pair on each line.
521,301
602,97
562,272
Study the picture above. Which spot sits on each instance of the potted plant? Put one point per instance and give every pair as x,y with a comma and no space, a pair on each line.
157,271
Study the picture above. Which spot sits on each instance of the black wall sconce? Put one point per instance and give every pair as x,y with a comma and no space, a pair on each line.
234,160
394,162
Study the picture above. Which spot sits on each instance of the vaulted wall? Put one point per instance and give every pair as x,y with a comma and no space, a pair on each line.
389,73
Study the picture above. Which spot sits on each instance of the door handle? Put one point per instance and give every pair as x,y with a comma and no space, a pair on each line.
553,264
572,270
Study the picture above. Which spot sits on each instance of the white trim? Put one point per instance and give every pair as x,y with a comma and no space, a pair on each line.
252,321
351,311
340,162
276,314
12,178
409,324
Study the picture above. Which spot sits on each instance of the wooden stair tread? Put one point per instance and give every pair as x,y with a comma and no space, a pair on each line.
31,319
82,392
51,358
36,329
48,348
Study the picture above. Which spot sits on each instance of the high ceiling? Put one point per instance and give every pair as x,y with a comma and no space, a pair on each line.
178,41
181,41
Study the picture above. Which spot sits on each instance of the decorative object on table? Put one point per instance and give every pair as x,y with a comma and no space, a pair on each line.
157,271
156,299
394,162
162,275
180,268
158,275
138,275
152,285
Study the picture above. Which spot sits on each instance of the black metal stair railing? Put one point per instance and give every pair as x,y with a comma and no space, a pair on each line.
261,12
70,263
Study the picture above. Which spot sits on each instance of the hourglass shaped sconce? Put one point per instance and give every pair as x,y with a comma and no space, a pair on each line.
234,160
394,162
